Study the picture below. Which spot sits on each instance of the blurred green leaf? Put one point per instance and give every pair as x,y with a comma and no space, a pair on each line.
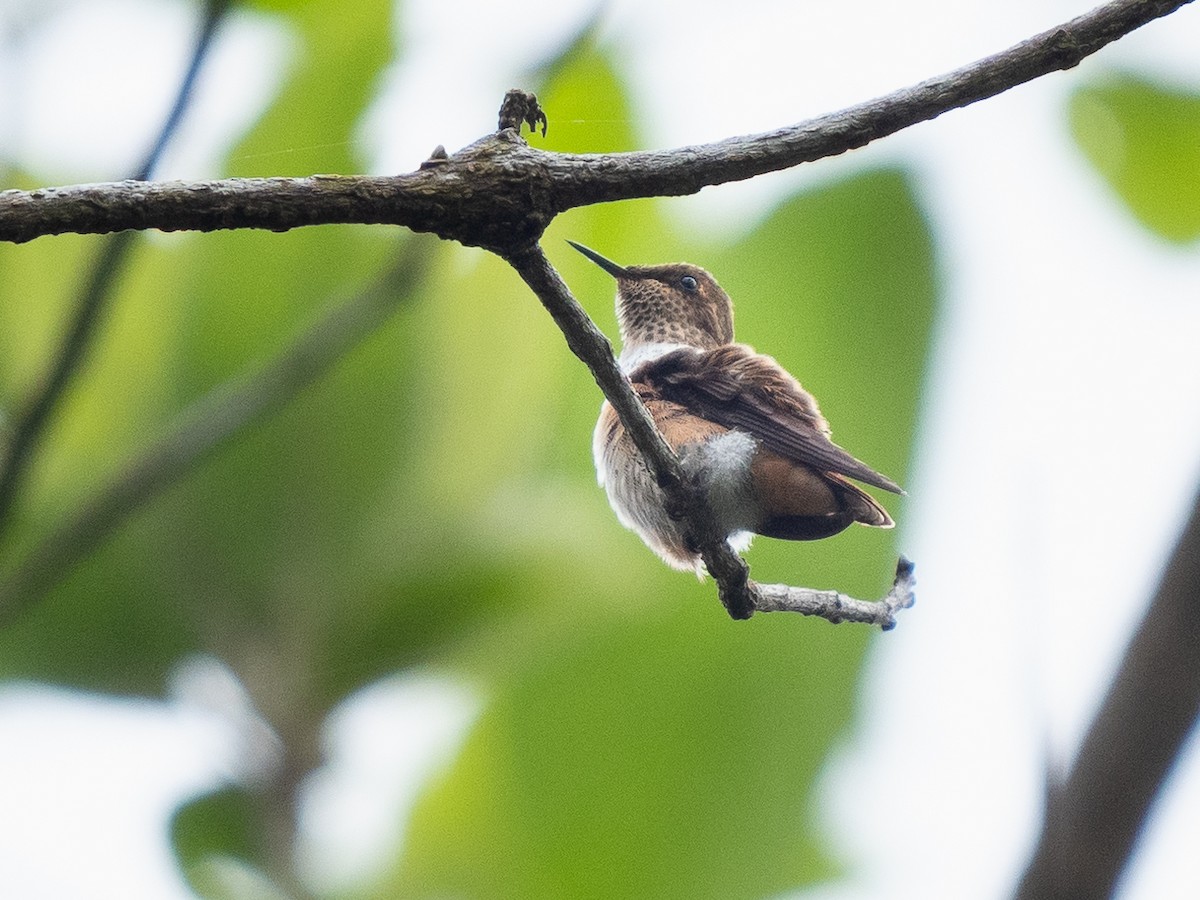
477,527
667,755
220,843
277,5
106,629
335,73
35,280
1144,140
219,824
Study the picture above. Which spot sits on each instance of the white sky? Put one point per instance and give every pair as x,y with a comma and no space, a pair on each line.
1061,315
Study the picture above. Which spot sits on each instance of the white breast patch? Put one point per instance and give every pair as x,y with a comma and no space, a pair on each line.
722,465
632,357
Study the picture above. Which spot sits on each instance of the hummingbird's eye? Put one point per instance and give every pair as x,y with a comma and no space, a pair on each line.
688,283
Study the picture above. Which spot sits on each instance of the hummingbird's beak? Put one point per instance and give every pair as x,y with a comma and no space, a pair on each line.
606,264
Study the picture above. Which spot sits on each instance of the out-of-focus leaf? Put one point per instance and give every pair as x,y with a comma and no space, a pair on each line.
106,628
665,755
1144,139
221,846
218,824
277,5
310,127
35,280
229,878
485,515
267,540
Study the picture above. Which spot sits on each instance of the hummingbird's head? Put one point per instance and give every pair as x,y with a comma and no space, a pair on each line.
677,303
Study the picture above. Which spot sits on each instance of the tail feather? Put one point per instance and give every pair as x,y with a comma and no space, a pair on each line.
865,508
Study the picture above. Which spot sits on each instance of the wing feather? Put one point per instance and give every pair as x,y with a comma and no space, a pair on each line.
738,388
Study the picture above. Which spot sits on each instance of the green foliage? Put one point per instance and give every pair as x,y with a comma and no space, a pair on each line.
218,824
1144,139
432,504
664,754
204,568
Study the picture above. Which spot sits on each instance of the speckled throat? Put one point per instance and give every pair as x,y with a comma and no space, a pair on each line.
653,307
677,303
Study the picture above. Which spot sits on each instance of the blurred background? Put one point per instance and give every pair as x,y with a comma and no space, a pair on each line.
389,641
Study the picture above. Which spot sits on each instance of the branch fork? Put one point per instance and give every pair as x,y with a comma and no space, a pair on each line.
500,194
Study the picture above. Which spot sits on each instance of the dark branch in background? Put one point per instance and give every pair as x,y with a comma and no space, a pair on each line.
209,424
1093,818
500,194
17,453
741,596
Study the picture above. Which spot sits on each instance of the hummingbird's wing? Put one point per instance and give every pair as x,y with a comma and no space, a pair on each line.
738,388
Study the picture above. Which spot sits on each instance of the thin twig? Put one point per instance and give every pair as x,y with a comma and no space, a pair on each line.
214,14
209,424
499,193
17,454
838,607
741,596
1093,819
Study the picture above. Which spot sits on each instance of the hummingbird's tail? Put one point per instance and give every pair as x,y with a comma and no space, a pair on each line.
852,505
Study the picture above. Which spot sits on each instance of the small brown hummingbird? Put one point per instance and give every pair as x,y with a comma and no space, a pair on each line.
744,429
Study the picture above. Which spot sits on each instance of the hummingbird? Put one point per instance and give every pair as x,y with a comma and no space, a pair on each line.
746,433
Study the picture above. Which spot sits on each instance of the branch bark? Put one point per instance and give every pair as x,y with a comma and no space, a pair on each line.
1092,820
500,194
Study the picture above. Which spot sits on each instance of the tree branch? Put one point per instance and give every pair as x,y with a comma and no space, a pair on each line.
1093,819
500,194
210,423
741,596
